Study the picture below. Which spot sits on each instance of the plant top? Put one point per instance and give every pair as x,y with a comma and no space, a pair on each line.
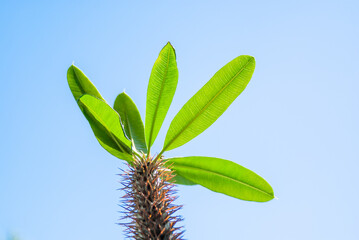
120,129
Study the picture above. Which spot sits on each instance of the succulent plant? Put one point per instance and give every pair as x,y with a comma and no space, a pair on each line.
149,180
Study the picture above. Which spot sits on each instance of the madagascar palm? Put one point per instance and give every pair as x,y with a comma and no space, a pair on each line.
149,180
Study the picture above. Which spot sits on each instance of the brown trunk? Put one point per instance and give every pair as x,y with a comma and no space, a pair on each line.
149,201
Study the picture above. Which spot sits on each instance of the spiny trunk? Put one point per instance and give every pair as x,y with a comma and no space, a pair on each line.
149,201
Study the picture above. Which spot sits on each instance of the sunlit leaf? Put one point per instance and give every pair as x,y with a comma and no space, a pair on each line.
204,108
105,123
131,120
80,84
177,179
161,89
223,176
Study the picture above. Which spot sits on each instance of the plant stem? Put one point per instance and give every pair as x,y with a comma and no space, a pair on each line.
149,201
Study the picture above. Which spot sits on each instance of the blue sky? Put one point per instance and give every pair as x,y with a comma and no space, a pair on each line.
296,124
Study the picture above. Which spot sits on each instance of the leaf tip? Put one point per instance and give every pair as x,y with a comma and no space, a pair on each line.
120,97
72,68
170,46
251,59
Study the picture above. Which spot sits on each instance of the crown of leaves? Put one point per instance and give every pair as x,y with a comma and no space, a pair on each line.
121,132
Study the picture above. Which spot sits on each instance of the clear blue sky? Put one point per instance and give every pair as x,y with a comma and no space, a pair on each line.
296,124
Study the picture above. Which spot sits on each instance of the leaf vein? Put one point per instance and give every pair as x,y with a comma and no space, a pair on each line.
204,108
159,97
219,174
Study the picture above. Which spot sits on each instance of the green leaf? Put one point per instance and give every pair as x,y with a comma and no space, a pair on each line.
131,120
177,179
161,89
223,176
80,84
106,125
208,104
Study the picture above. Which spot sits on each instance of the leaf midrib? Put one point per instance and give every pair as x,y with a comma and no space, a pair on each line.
128,123
205,107
159,99
221,175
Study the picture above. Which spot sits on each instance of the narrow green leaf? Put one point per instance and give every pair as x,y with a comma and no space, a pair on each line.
208,104
161,89
131,120
80,84
223,176
106,125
